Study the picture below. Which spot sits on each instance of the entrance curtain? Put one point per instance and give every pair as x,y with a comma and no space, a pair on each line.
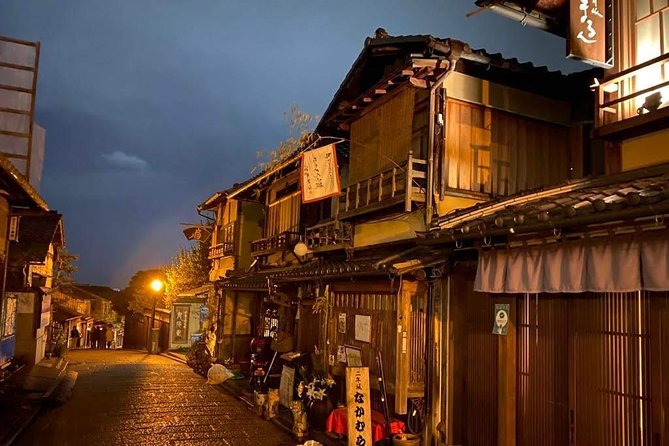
611,264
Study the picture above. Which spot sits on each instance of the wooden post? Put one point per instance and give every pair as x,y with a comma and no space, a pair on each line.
402,346
409,185
506,388
234,325
659,368
380,187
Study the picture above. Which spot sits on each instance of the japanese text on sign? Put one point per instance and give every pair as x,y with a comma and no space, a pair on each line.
588,39
359,409
320,174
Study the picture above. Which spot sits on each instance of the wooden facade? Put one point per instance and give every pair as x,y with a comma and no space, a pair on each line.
493,152
588,369
382,138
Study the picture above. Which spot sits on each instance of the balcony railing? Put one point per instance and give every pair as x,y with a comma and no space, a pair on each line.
226,245
623,95
274,243
330,235
404,183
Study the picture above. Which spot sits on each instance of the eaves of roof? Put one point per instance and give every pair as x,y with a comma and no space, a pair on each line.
29,196
629,195
411,46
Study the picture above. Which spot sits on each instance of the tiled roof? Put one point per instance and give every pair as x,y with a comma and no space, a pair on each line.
629,195
25,193
328,269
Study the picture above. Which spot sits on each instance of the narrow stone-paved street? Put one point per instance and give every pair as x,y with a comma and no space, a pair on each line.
132,398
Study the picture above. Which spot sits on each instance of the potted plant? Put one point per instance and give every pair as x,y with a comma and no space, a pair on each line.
314,394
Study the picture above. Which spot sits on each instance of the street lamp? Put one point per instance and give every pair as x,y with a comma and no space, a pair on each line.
156,285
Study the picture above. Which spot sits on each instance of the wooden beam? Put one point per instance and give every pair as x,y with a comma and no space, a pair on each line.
16,67
14,88
421,63
403,342
420,83
17,134
14,110
506,384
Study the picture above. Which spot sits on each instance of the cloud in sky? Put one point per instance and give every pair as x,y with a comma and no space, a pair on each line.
123,160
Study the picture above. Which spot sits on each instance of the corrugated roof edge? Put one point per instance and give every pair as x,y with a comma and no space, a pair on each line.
8,167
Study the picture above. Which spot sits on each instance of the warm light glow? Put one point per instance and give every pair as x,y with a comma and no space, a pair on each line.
301,249
611,88
157,285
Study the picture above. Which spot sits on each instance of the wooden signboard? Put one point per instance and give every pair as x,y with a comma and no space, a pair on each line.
180,329
590,30
286,386
319,174
359,415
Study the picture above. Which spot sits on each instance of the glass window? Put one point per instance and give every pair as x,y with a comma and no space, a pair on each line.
648,39
642,8
665,26
659,4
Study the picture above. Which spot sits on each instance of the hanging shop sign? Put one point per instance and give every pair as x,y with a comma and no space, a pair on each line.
359,409
501,326
319,174
197,232
590,32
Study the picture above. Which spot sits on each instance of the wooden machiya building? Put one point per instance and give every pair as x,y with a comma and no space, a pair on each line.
579,268
421,127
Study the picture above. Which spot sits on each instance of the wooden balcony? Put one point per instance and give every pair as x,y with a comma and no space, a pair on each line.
226,244
330,235
403,185
622,98
275,243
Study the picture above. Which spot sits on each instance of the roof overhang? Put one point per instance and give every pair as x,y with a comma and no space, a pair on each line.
630,198
20,193
36,233
548,15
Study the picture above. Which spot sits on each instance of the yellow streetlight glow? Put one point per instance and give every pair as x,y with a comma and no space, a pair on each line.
157,285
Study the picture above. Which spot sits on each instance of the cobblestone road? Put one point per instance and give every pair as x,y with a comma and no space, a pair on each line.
131,398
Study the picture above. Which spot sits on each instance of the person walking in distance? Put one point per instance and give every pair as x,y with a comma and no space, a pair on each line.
109,335
74,338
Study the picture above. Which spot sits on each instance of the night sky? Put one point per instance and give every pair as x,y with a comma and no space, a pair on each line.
151,106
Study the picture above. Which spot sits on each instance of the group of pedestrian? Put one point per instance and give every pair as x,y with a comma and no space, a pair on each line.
100,337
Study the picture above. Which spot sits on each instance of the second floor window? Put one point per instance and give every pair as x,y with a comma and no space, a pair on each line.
651,39
284,214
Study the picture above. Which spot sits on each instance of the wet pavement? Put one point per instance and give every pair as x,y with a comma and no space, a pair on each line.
132,398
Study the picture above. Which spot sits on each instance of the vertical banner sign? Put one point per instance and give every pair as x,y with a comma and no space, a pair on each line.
501,326
180,330
319,174
359,410
590,38
14,228
286,386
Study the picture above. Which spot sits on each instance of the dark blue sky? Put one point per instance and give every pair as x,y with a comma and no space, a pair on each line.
152,105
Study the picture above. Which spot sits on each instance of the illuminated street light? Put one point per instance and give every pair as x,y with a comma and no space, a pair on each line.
156,285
